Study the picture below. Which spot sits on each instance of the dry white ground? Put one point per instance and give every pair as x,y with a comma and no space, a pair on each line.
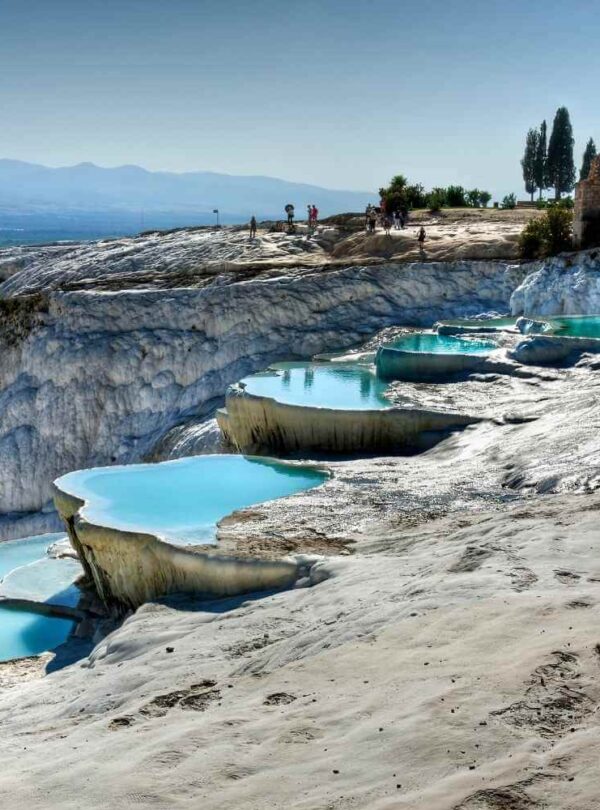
195,258
450,662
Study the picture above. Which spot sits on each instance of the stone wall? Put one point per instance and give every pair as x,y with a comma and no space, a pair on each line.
586,222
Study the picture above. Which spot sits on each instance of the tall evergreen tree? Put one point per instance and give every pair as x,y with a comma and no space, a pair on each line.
561,165
528,161
588,156
541,160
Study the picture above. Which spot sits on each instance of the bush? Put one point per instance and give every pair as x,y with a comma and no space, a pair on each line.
548,235
541,205
532,239
436,200
510,201
484,198
559,235
566,202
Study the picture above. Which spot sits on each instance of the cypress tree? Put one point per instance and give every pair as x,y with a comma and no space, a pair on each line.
588,156
561,165
528,161
541,160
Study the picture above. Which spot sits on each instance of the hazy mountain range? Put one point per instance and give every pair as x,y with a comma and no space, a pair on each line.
38,203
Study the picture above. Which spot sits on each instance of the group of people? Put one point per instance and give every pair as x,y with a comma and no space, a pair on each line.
373,216
396,220
312,217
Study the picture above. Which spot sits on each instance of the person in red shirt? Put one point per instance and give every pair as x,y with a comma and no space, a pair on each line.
314,215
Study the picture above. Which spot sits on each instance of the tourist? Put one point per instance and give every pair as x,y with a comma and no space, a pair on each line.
387,225
289,210
368,216
253,228
372,220
397,220
309,215
314,215
421,238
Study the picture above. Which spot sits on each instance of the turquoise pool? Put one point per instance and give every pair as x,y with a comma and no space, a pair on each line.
500,323
341,386
24,633
431,343
585,326
27,572
182,501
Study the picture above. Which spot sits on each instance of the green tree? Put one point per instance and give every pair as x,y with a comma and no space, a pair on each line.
473,198
528,161
394,195
541,159
561,165
455,197
509,201
588,156
485,198
416,196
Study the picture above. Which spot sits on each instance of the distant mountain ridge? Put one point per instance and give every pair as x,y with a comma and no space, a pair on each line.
86,187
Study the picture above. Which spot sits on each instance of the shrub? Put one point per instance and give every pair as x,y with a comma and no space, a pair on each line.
548,235
484,198
510,201
436,200
541,205
559,234
532,239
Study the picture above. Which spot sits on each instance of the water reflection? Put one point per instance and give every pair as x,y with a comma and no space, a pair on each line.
345,386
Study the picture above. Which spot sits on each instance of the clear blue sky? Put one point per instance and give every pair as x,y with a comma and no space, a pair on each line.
342,93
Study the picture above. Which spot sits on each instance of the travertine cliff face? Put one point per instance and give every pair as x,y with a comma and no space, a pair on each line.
253,423
130,568
564,285
99,377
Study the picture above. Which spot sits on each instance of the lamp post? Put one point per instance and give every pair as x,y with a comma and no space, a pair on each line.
216,211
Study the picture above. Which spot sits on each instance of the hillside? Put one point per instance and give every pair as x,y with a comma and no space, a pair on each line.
90,199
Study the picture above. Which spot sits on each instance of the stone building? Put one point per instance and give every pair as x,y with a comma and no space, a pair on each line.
586,221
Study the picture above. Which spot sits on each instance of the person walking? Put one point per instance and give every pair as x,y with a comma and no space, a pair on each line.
314,215
309,215
397,220
421,236
372,220
368,210
289,210
387,225
253,227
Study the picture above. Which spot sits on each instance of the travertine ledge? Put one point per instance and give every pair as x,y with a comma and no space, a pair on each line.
130,568
252,423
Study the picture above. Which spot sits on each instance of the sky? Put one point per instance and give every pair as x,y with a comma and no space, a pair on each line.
339,93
